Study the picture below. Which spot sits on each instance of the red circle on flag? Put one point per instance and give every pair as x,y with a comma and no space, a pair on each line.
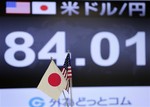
44,7
54,79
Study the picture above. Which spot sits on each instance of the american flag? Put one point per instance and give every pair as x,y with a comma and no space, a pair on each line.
66,70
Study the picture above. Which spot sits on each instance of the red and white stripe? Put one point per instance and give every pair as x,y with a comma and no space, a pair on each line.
69,72
64,72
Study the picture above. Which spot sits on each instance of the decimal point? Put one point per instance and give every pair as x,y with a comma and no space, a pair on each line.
80,61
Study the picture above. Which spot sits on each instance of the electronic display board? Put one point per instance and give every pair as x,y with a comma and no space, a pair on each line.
108,40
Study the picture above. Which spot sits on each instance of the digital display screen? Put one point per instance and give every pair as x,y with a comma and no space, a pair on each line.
109,42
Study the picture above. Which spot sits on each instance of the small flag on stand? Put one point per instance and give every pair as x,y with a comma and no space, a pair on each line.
67,71
53,82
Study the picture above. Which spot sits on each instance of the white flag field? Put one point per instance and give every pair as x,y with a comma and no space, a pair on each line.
53,82
48,8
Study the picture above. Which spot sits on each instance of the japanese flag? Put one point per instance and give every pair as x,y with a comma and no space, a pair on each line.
44,8
53,82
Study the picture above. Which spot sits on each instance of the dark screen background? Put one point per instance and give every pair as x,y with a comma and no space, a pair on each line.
79,31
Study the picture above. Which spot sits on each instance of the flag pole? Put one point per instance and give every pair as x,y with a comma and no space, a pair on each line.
65,99
71,100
